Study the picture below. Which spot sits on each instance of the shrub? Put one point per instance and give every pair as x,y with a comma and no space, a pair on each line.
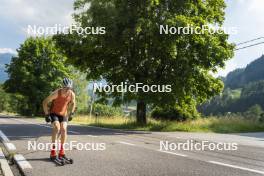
105,110
178,112
261,119
254,112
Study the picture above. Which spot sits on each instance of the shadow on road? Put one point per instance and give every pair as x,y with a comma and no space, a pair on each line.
39,159
23,130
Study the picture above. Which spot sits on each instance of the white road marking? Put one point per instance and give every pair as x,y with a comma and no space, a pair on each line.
178,154
73,132
46,126
10,146
22,162
3,136
91,135
21,137
104,128
4,165
126,143
6,141
237,167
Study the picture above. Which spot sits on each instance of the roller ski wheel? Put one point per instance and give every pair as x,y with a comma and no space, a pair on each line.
66,160
57,160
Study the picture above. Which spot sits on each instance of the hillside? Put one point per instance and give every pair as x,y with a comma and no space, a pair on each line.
244,88
252,73
5,58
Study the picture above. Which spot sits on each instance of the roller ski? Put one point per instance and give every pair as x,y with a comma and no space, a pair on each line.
57,160
66,159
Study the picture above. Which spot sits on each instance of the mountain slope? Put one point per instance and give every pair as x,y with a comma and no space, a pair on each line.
240,77
244,88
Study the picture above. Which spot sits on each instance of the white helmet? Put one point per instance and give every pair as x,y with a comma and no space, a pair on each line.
67,82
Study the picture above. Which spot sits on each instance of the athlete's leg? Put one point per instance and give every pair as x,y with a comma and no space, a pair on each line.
55,131
63,131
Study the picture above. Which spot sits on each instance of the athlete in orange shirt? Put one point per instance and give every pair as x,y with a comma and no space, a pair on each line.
60,100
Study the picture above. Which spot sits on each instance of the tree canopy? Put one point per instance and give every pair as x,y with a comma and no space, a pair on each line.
37,70
134,51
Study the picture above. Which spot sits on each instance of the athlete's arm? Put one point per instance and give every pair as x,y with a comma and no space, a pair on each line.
49,99
73,102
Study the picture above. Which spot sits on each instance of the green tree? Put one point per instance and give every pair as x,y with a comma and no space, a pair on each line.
80,86
254,112
133,51
10,102
35,72
4,100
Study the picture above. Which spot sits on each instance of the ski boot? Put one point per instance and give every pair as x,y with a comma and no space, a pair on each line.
57,160
66,160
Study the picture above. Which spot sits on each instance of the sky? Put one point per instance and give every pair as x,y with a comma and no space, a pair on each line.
15,15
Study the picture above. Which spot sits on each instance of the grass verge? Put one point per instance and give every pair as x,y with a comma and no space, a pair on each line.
212,124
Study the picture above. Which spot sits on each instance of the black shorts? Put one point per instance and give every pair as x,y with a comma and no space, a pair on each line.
55,117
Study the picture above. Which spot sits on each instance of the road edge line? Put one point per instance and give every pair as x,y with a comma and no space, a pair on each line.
237,167
172,153
10,147
19,159
126,143
3,136
4,165
22,162
46,126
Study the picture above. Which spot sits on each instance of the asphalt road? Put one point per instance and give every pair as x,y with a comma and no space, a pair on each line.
135,153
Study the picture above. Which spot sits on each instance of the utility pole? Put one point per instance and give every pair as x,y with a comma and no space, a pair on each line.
92,100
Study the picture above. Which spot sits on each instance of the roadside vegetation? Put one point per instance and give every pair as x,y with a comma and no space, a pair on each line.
211,124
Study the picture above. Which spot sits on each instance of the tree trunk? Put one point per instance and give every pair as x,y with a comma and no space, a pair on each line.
141,112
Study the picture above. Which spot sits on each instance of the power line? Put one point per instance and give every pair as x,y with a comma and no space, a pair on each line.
249,41
249,46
